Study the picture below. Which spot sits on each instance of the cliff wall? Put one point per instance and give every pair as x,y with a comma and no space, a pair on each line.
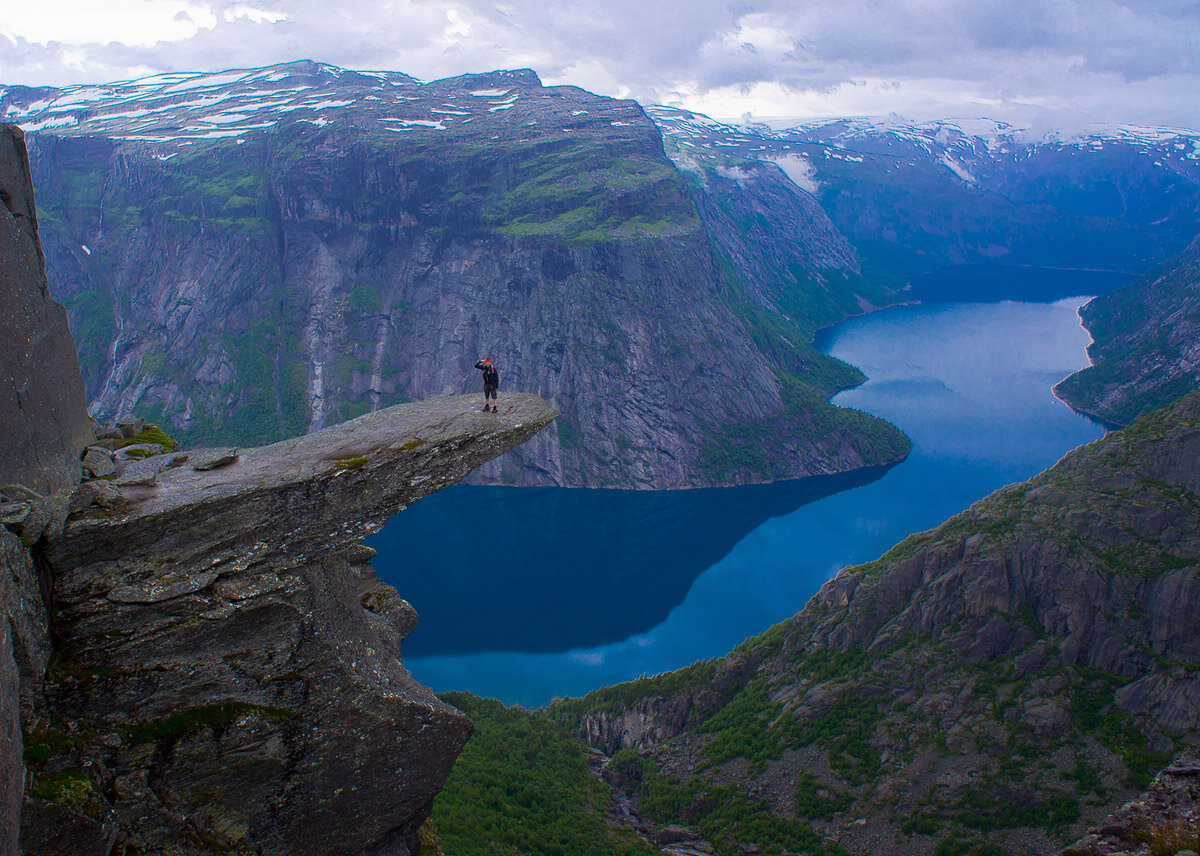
45,427
43,415
249,288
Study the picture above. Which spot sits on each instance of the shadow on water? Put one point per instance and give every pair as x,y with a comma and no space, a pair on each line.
547,569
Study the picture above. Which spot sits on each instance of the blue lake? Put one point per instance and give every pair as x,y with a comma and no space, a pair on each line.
526,594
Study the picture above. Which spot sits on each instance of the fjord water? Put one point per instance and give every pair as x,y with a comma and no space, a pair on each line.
529,594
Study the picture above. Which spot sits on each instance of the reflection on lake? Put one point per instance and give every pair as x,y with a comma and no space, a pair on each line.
527,594
548,569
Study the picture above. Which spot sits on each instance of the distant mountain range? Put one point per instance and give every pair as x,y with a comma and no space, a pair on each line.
916,197
253,254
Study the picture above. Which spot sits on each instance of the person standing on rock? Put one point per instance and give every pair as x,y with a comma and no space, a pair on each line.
491,382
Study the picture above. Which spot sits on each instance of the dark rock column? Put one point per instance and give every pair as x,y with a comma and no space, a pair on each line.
43,413
44,426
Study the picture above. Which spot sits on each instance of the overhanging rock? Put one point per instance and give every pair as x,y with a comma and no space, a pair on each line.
229,664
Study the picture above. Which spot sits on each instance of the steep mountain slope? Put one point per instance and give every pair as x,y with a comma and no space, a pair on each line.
256,254
1010,676
1146,348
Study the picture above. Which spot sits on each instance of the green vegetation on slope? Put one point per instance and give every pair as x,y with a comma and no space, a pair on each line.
589,192
807,420
522,786
721,813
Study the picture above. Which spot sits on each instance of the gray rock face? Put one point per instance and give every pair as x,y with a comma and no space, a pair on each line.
43,415
230,674
24,654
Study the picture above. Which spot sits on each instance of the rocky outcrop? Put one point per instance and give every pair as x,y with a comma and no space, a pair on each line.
1165,819
1013,675
1146,344
43,415
227,673
196,656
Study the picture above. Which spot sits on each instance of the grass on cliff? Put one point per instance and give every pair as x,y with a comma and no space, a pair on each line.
522,785
587,193
151,435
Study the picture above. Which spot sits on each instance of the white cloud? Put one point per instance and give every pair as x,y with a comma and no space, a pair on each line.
257,16
800,171
129,22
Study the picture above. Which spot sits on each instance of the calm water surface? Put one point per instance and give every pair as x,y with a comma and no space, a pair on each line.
528,594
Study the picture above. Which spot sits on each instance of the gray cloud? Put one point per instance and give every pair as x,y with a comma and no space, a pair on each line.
1020,60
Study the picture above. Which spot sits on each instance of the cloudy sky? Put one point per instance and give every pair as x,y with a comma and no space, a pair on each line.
1052,63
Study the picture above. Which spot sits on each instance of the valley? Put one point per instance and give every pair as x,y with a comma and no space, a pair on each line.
783,360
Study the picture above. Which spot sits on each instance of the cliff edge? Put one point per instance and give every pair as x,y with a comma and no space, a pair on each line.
227,673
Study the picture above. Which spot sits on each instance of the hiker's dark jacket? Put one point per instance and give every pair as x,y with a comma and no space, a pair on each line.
491,377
